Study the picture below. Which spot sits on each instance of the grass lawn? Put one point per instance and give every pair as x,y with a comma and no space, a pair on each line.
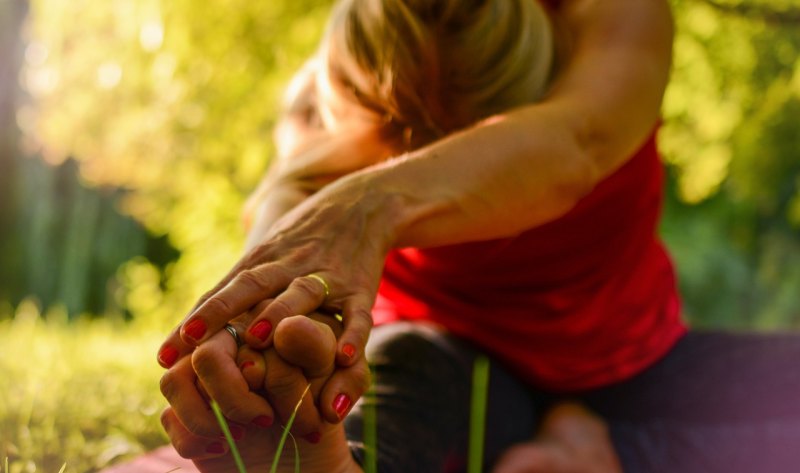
83,393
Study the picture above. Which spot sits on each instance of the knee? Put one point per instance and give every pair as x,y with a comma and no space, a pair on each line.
418,347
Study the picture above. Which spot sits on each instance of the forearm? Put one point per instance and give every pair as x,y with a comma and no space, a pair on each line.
531,165
273,204
492,181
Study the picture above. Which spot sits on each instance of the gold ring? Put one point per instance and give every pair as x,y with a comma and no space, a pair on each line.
322,281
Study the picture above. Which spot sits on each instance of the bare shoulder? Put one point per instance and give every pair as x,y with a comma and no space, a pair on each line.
615,65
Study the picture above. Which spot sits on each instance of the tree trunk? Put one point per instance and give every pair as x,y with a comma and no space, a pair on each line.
12,16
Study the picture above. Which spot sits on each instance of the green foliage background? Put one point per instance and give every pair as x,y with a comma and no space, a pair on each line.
171,105
732,116
154,119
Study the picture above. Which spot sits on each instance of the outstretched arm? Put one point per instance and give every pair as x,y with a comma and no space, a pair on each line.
308,157
531,165
507,174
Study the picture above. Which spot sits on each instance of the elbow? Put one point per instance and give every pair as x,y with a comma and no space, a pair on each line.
576,178
580,175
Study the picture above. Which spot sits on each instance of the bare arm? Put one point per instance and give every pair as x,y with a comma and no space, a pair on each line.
496,179
531,165
308,157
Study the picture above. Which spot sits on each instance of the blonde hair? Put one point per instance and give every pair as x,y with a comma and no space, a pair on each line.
430,67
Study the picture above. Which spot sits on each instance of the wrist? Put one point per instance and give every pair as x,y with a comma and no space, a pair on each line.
398,198
387,212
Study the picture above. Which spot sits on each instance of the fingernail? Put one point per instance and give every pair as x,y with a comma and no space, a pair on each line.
246,364
313,437
261,329
263,421
349,350
168,356
215,447
236,432
341,404
195,329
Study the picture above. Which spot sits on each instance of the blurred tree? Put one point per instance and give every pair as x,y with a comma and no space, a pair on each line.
12,14
59,241
732,119
173,103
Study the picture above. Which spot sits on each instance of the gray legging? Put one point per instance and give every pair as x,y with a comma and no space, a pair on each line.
717,403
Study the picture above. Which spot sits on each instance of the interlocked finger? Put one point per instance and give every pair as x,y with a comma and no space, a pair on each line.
178,386
302,296
246,289
188,444
216,367
285,385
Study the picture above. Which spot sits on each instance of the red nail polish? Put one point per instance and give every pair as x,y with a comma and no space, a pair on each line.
313,437
195,329
246,364
263,421
341,404
236,432
168,356
261,329
215,448
349,350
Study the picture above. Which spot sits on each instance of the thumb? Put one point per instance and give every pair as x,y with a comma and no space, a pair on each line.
307,344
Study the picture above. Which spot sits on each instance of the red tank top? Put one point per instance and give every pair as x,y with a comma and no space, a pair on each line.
581,302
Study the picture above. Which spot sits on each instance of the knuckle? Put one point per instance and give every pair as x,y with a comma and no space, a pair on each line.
235,412
362,317
253,279
194,425
283,272
308,287
262,252
207,295
218,305
165,418
167,386
203,360
281,308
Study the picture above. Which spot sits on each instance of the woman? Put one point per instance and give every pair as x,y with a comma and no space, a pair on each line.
484,196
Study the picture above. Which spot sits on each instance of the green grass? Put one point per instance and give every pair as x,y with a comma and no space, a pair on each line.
286,433
77,397
81,393
370,432
237,458
477,418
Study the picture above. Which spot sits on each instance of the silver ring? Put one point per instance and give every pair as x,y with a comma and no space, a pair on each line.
232,330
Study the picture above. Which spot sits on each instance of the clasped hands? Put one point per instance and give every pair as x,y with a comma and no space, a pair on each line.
258,391
331,235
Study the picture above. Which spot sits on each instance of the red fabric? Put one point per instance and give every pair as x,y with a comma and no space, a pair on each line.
581,302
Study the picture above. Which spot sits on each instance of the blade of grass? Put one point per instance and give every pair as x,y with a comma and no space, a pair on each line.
477,418
227,432
288,426
296,454
63,467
